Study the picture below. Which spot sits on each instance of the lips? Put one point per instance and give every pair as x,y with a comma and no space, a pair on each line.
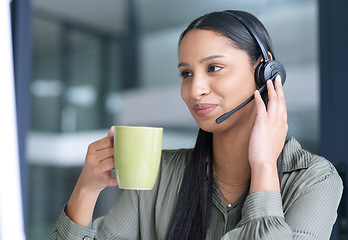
203,109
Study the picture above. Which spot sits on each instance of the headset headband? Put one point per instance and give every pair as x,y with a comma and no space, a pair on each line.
253,33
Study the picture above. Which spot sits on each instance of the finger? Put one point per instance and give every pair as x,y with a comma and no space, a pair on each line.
107,179
110,180
279,88
281,97
107,165
105,142
102,154
270,89
103,167
272,107
260,105
111,131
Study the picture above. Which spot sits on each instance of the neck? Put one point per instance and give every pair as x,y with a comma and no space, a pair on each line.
230,152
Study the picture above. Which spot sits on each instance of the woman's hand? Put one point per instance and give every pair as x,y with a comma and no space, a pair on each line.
267,138
95,176
96,173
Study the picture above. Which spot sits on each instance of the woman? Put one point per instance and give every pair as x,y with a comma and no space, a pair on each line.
241,181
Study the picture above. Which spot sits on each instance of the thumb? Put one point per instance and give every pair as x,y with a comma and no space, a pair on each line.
111,131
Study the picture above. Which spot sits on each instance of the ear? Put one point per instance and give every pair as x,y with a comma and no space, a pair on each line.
270,55
261,58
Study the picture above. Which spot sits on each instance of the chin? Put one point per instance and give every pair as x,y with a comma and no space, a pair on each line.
211,126
224,127
206,125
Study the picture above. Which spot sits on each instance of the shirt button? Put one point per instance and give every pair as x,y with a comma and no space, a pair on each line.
86,238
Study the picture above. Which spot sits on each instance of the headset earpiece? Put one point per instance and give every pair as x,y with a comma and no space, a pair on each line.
269,70
258,78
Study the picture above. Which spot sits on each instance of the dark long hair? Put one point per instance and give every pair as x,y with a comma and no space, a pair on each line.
192,215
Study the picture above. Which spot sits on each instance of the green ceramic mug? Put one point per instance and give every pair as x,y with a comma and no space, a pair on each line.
137,152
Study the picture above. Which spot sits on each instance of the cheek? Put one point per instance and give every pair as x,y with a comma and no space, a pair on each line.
235,89
226,87
184,94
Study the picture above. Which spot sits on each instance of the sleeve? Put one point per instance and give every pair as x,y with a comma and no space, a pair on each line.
120,223
129,218
313,214
67,229
310,215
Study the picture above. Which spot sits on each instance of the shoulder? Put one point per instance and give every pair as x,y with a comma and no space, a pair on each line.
297,158
178,157
172,168
311,190
175,161
304,170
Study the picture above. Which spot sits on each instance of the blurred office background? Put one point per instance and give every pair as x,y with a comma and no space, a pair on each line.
95,64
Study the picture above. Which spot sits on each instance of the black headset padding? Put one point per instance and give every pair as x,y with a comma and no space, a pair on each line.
269,70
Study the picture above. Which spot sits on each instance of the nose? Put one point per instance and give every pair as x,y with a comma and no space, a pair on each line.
199,87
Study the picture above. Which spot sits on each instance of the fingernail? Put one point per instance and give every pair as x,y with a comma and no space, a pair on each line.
278,78
257,93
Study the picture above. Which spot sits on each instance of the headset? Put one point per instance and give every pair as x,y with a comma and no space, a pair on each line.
267,69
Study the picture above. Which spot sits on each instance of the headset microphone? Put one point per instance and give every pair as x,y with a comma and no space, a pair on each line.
267,69
228,114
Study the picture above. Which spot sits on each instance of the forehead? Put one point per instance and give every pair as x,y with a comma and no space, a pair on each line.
198,44
204,40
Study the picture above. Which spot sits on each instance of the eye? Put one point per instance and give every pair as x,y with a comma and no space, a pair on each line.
213,68
185,74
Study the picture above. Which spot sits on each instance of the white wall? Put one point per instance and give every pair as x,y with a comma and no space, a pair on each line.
11,218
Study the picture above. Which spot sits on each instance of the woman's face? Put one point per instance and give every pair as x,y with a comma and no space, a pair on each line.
216,78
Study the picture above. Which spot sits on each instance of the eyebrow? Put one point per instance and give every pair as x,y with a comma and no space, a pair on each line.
203,60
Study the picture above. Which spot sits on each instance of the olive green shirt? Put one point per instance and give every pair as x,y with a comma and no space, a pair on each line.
306,208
